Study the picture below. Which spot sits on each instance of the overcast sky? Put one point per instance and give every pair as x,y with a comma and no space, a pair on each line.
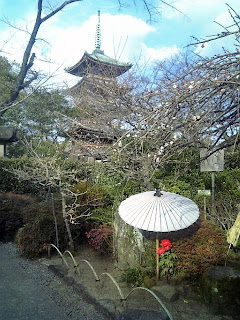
126,34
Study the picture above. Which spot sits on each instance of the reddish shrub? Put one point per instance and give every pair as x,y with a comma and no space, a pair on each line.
13,207
100,238
205,248
34,236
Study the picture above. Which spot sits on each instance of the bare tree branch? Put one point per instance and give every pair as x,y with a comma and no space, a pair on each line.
28,57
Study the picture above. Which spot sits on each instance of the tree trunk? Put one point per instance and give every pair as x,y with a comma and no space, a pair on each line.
71,245
55,220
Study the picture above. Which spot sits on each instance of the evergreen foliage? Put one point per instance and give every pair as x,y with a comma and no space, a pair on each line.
9,182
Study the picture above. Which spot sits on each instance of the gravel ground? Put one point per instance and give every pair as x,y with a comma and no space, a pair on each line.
70,303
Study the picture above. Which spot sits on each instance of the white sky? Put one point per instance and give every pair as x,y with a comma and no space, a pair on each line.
125,34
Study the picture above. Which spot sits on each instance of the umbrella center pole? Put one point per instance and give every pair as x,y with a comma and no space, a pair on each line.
157,256
158,193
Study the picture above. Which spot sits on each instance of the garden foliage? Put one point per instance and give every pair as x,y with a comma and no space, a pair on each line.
8,181
13,208
102,195
136,276
205,248
30,223
186,179
166,258
34,239
39,231
100,238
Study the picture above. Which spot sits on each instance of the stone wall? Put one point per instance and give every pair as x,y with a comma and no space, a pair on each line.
128,244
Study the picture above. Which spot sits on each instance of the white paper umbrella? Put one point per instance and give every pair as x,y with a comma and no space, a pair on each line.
165,213
159,212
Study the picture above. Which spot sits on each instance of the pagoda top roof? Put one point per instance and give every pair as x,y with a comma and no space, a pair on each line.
98,63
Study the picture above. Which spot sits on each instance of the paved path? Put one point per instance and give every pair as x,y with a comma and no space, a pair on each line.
22,297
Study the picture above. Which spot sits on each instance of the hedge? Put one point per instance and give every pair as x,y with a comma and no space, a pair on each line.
9,182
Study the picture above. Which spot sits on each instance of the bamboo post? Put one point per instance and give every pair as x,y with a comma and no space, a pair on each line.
55,220
157,257
213,191
205,208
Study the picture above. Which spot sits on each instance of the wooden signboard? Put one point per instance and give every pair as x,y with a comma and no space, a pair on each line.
213,163
204,193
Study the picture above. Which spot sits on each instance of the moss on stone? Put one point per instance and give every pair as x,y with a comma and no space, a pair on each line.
220,287
149,254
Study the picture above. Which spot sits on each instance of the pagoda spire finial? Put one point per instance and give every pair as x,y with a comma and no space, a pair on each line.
98,34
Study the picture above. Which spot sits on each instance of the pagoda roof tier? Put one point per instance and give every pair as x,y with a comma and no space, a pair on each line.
91,131
99,64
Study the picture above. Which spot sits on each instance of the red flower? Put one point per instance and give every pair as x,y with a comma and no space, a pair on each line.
161,251
166,244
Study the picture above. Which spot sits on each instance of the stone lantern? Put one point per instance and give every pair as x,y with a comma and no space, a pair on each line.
7,135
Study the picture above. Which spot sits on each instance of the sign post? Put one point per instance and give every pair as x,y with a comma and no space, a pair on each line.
204,193
212,163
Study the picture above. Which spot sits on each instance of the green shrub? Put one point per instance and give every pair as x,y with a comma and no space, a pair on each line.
10,183
180,187
101,216
34,237
36,222
232,158
89,196
135,276
228,185
98,199
167,264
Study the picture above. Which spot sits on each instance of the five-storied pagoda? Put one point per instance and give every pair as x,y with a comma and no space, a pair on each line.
95,96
